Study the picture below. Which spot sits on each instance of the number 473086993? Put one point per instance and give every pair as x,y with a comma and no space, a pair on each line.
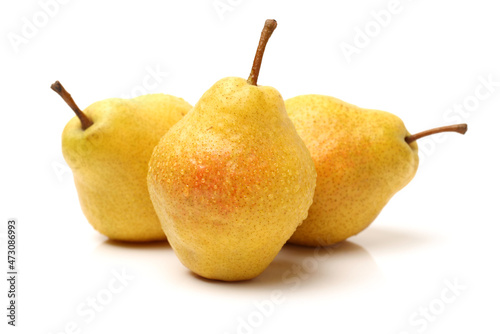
11,248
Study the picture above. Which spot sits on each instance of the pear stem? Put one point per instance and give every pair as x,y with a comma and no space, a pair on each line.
59,89
267,31
459,128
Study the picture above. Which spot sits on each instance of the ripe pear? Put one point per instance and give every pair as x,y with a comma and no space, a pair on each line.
232,180
362,157
108,146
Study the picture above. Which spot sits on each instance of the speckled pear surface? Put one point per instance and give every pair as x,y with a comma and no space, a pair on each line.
231,181
362,160
110,159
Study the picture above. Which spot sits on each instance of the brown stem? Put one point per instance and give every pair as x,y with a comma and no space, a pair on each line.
84,119
460,128
269,27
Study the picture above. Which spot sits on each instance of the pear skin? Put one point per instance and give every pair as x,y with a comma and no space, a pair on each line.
361,158
109,160
232,180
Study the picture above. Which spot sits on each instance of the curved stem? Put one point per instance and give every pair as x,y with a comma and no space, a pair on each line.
267,31
84,119
459,128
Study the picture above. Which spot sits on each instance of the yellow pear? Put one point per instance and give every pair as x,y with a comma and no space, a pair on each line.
232,180
362,157
108,146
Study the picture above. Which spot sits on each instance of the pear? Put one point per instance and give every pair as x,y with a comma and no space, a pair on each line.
108,146
362,157
232,180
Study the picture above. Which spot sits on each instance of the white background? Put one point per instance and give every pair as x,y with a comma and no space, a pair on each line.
441,229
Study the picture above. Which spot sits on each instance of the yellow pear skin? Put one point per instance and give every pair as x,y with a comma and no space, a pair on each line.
232,180
362,160
362,157
110,159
